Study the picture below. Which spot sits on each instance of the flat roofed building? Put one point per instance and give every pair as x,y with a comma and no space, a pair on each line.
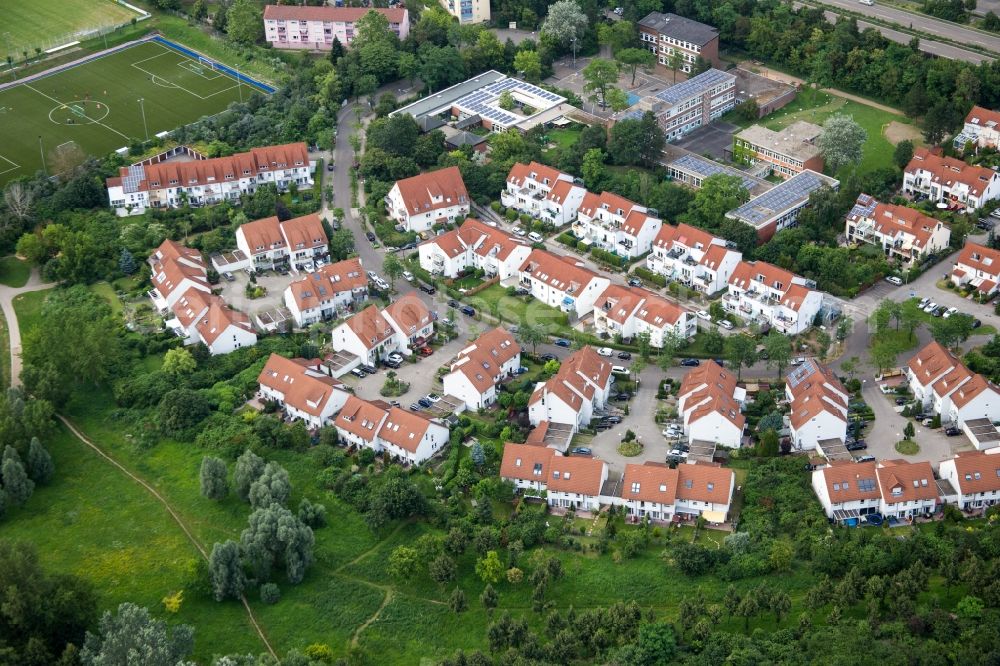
779,207
789,151
685,107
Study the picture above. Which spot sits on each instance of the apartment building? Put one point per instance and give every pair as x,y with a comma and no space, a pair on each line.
627,312
893,488
315,28
692,170
693,257
975,476
656,492
200,317
905,234
326,292
684,107
367,335
818,404
528,189
943,384
773,296
208,181
981,129
788,152
401,435
710,404
570,397
474,245
572,482
615,224
779,207
434,197
174,270
950,181
302,388
295,244
479,368
561,282
468,11
979,267
669,35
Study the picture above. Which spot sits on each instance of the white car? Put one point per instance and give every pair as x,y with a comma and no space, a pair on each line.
620,370
408,276
950,311
798,361
372,275
726,324
517,231
491,223
433,398
892,279
930,307
396,357
671,432
381,284
677,453
535,237
604,351
704,315
923,303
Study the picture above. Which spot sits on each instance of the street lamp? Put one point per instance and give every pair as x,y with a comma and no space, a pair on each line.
142,108
573,40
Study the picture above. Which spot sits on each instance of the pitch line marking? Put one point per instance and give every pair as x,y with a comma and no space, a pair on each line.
29,87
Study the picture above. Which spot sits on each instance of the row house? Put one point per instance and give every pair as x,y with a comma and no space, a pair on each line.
174,270
479,368
528,191
572,482
269,243
468,12
950,181
615,224
200,317
561,282
818,404
977,266
581,386
315,28
629,311
327,292
374,333
655,491
693,257
682,108
981,129
209,181
427,199
975,476
710,404
904,234
773,296
400,434
942,383
787,152
302,388
896,489
474,245
676,38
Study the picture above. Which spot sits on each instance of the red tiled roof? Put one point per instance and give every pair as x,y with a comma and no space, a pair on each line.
301,390
361,418
932,362
984,118
526,462
325,283
404,429
409,313
686,235
915,481
849,481
704,483
263,233
948,170
656,483
370,326
560,272
172,262
981,258
418,193
575,474
540,173
891,220
305,231
481,361
977,472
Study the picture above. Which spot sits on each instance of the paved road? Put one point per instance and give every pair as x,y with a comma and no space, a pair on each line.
7,296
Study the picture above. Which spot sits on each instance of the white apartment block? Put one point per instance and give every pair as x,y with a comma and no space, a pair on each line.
479,368
269,243
693,257
950,181
982,129
773,296
327,292
434,197
573,482
818,404
710,404
397,433
204,182
561,282
205,318
975,476
615,224
942,383
468,11
315,28
628,312
904,234
174,270
979,267
303,389
893,488
582,384
474,245
529,187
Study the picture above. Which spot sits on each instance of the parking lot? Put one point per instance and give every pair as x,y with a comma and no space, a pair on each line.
713,139
234,292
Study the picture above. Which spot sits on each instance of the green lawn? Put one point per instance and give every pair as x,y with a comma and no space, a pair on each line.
519,310
45,24
29,309
14,272
4,353
93,108
565,137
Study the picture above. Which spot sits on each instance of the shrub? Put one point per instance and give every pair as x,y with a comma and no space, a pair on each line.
650,276
567,239
269,593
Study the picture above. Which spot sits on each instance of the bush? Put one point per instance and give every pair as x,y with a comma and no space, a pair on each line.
269,593
608,258
567,239
650,276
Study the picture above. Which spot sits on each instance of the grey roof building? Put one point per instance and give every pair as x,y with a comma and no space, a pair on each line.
680,28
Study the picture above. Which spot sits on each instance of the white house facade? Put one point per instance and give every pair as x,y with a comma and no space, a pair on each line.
616,225
774,296
473,245
326,292
434,197
693,257
561,282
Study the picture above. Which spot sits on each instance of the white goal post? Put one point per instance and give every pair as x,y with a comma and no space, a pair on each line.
205,62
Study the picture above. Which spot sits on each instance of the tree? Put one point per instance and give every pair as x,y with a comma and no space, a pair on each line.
19,199
393,268
226,571
670,345
214,484
457,601
442,569
40,466
121,638
841,142
950,331
16,484
883,355
592,168
126,262
179,361
768,447
341,244
489,598
749,606
199,12
714,341
565,23
313,515
909,431
616,35
403,562
489,568
598,76
634,58
781,603
271,487
245,23
636,141
719,194
249,466
528,64
772,421
903,153
741,350
532,335
779,350
180,410
273,532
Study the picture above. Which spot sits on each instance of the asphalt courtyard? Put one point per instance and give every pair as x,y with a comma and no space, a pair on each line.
713,139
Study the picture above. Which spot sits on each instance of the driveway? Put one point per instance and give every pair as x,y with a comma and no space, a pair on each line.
234,293
642,411
7,296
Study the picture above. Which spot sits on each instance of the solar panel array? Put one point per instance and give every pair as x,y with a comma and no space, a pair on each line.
136,174
780,198
705,168
694,86
483,101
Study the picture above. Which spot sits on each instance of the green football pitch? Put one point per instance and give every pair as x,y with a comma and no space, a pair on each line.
27,24
95,108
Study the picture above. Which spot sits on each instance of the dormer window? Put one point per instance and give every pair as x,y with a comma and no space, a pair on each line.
635,486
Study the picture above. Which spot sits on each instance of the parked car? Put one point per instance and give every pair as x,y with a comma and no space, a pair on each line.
605,351
726,324
923,303
927,423
370,369
612,419
547,357
424,402
535,237
621,370
865,458
408,276
859,445
517,231
902,400
452,303
561,342
229,276
433,398
521,291
624,355
622,396
389,363
359,373
690,362
329,166
426,288
703,314
930,307
949,312
798,361
521,370
634,282
414,407
581,451
370,236
395,356
671,432
940,311
976,323
425,351
468,310
892,279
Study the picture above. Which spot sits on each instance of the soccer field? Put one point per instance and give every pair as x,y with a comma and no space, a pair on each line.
26,24
95,107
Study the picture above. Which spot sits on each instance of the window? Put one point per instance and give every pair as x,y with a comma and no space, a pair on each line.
689,484
555,474
711,486
517,462
635,486
836,486
663,487
538,469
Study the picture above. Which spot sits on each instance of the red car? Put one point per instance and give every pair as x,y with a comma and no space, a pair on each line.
425,351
